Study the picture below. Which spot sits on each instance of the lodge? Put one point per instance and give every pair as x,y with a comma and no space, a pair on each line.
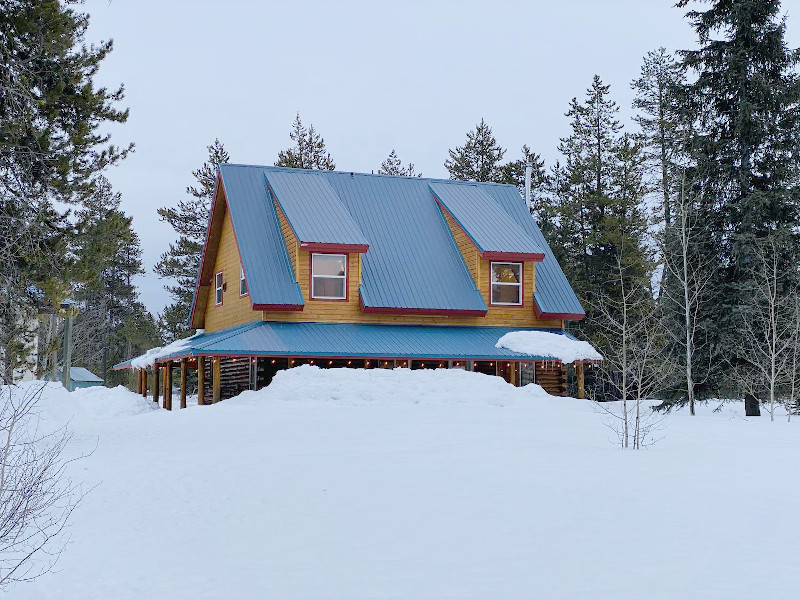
354,270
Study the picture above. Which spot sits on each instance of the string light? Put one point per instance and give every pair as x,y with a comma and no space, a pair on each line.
349,362
273,361
330,362
312,362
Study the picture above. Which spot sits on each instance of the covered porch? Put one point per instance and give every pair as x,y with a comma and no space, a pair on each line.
224,363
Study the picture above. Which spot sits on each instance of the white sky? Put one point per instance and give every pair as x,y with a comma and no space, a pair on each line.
370,76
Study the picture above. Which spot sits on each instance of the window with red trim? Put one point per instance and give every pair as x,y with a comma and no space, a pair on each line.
507,283
329,276
218,285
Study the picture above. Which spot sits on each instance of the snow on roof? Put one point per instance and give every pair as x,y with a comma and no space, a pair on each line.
543,343
149,358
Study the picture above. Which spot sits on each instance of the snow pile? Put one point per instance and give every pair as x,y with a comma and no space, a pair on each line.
149,358
553,345
358,387
379,484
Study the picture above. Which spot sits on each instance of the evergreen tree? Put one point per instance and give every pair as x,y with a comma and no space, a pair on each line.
744,107
595,219
308,152
513,172
394,166
51,148
108,258
181,262
659,116
478,159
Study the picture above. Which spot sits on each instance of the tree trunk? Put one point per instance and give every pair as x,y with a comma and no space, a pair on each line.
751,406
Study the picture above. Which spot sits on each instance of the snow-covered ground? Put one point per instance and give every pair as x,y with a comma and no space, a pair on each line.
379,484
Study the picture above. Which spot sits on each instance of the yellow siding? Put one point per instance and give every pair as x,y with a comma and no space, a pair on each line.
292,246
234,310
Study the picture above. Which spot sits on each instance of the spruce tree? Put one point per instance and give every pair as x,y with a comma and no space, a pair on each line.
478,159
181,262
744,107
308,152
394,166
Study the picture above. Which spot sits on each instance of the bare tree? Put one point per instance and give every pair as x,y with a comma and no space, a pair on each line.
36,496
690,276
768,332
635,365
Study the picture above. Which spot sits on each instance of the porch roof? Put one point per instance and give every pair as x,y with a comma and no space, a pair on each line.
354,340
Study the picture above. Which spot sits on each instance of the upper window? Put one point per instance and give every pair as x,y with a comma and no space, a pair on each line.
507,283
243,291
329,276
218,285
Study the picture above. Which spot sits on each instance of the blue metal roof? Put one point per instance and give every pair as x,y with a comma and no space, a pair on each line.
488,225
81,374
362,340
554,294
313,209
258,234
413,261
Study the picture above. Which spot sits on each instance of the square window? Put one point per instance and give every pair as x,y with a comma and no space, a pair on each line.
507,284
329,276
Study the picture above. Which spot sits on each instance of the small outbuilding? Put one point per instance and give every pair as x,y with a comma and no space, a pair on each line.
80,377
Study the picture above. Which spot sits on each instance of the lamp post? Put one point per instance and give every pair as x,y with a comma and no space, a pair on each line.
68,307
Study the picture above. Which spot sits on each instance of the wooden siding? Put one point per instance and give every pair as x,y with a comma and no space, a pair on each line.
234,309
289,238
349,311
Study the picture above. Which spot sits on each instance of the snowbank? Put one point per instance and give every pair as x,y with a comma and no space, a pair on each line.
149,358
357,387
544,343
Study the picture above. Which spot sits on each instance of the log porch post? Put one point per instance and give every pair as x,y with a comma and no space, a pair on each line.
156,374
579,374
201,380
184,366
216,384
168,386
144,382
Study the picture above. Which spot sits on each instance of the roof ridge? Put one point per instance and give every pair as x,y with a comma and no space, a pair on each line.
359,173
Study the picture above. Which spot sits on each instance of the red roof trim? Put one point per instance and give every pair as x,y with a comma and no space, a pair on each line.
391,310
513,256
281,307
551,315
328,247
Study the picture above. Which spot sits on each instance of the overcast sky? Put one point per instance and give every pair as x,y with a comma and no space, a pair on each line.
370,76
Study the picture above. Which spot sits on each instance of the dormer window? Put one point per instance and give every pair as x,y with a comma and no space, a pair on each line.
507,283
329,276
243,291
218,285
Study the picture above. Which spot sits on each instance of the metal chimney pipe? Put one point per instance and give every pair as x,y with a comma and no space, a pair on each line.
528,172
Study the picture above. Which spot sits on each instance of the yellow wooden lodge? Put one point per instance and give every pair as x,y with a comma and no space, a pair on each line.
352,270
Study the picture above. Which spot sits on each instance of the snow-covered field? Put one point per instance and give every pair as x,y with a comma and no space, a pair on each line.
348,484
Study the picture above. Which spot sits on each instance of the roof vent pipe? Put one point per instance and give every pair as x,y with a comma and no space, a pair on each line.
528,172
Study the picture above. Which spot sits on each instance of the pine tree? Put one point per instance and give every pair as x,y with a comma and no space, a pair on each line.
658,103
394,166
595,219
181,262
478,159
744,107
309,151
51,149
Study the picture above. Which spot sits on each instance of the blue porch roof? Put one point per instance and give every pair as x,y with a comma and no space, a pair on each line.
357,340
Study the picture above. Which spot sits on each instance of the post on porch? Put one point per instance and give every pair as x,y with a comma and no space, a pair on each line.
216,384
579,376
168,386
156,374
184,367
139,381
144,382
201,380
